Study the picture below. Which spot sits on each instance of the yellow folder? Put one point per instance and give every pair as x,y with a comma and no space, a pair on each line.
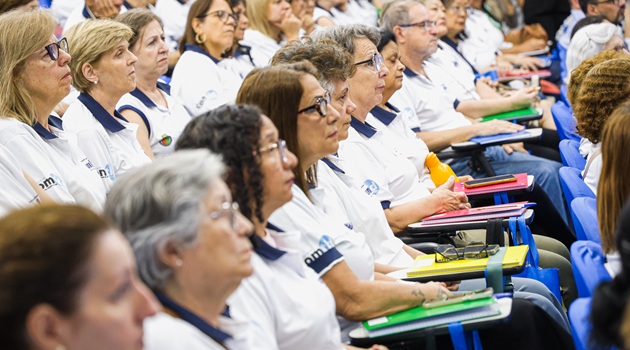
425,265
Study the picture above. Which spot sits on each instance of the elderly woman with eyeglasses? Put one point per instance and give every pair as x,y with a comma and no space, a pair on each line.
283,297
160,117
192,249
199,83
34,78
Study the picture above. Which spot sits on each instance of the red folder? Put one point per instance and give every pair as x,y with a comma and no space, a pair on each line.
480,213
519,184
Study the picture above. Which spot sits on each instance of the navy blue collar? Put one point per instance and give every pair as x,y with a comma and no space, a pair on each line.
264,250
145,99
127,5
102,116
386,117
195,48
408,72
363,128
181,2
332,165
193,319
87,14
453,44
43,132
244,50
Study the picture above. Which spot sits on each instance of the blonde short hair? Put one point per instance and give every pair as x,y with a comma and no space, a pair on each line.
88,42
257,15
23,33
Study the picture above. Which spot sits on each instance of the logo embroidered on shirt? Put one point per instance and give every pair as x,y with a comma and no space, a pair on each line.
370,187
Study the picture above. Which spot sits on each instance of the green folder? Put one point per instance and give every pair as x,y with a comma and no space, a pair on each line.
518,115
420,317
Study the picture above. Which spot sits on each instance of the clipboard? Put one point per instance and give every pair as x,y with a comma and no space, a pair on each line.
479,213
532,135
360,337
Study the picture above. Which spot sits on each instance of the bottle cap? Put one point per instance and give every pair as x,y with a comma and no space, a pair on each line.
432,160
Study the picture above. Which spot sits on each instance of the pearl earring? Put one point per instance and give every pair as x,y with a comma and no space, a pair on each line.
179,263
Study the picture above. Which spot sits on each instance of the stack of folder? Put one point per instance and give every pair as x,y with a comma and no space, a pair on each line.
425,265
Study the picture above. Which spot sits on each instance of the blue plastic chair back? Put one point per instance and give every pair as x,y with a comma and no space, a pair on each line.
565,122
587,262
570,154
45,3
579,313
572,185
584,213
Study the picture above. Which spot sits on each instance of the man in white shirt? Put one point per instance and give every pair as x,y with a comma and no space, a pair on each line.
433,114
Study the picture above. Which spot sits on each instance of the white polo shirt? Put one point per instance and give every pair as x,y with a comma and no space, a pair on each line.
15,191
109,142
200,84
324,239
381,174
83,179
563,35
189,331
483,41
424,106
363,11
452,73
595,169
34,157
241,63
173,14
164,123
360,212
61,9
285,299
262,47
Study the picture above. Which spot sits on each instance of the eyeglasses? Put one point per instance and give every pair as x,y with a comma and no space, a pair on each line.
467,9
223,16
614,2
281,145
53,49
321,104
376,61
231,209
476,250
427,25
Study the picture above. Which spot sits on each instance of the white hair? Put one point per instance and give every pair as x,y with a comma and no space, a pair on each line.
588,42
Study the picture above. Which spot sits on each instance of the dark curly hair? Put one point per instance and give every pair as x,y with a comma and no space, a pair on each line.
597,87
232,131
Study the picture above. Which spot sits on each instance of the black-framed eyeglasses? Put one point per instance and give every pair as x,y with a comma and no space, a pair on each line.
53,49
281,146
376,61
427,25
476,250
321,105
231,209
223,16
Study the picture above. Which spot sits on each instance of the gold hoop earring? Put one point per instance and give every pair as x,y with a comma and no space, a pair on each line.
200,38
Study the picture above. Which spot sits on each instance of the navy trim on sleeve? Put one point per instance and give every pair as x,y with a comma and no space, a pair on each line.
319,262
140,113
416,129
456,103
385,204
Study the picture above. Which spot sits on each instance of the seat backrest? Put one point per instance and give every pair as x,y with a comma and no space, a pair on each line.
587,261
572,185
584,213
565,122
579,313
570,154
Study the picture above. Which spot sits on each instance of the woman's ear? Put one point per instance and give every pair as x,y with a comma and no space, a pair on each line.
196,26
170,256
89,73
46,328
